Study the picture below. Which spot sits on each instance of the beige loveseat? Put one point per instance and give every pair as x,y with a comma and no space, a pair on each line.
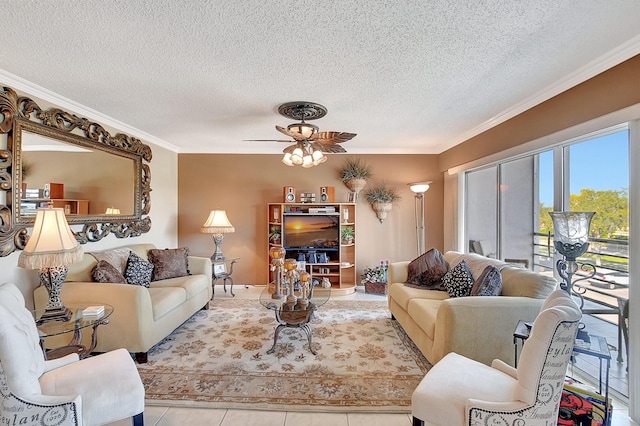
478,327
142,316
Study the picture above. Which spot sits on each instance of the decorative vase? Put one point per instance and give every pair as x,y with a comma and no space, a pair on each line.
382,209
356,185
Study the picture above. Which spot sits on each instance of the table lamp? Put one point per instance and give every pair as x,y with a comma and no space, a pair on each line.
50,248
217,224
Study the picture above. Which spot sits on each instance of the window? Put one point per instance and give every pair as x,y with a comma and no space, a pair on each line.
508,204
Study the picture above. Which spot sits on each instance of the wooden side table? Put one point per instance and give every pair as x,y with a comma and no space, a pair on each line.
75,325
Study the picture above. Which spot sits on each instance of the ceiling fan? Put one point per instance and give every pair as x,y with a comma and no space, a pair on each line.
310,144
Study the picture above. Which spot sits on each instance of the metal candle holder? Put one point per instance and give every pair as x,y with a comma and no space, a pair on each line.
290,278
277,264
305,294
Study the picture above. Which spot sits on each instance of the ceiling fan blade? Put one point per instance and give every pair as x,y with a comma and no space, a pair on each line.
267,140
332,137
290,149
330,148
295,135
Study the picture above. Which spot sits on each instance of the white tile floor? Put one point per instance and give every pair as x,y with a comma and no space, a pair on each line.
170,416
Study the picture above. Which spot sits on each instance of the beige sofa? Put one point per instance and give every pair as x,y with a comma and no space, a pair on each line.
478,327
142,316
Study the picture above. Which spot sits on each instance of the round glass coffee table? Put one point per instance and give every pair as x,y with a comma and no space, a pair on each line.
293,314
75,325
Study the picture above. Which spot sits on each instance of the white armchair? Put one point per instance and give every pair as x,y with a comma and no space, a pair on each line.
461,391
66,391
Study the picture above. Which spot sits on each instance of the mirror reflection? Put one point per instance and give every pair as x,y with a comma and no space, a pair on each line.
55,158
82,180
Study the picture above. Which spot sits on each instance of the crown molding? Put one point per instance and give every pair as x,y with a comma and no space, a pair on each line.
607,61
32,89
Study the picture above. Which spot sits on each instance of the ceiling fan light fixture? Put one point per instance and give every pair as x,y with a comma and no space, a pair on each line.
307,161
318,157
310,144
305,129
287,159
296,156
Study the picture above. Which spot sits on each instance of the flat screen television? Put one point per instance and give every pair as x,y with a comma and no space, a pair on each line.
308,232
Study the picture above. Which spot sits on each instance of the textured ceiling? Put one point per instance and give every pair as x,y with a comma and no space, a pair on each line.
406,76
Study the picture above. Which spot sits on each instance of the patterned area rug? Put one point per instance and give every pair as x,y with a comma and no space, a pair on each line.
218,358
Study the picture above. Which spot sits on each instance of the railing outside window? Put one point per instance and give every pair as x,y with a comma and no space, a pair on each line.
609,286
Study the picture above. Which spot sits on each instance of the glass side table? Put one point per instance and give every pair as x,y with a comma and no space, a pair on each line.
293,314
75,325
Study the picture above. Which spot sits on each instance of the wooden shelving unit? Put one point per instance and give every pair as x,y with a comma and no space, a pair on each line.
340,269
71,207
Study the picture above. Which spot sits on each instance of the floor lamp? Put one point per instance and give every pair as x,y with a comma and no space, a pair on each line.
419,188
217,224
571,240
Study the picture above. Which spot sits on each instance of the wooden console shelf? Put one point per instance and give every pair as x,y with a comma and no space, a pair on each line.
340,263
71,207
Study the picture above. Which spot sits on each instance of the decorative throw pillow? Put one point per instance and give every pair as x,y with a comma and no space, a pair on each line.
104,272
138,271
458,281
489,283
428,269
116,257
169,263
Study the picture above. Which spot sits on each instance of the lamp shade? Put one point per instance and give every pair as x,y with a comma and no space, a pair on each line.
217,223
287,159
51,243
112,210
419,187
571,232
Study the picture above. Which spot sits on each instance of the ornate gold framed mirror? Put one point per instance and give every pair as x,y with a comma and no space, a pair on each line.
54,158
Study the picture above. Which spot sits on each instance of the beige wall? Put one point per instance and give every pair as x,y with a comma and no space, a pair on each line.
612,90
243,185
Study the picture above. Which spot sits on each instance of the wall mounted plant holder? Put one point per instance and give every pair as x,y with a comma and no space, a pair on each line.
354,174
382,198
382,209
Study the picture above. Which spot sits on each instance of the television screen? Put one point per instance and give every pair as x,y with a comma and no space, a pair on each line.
311,231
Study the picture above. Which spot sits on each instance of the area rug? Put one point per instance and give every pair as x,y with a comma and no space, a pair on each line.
218,359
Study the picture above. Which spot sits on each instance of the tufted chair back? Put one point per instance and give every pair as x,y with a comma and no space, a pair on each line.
20,352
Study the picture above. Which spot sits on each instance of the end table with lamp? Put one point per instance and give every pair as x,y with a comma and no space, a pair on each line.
218,224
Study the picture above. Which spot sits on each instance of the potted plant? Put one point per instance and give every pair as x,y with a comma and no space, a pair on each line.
354,174
347,235
374,280
274,236
381,198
